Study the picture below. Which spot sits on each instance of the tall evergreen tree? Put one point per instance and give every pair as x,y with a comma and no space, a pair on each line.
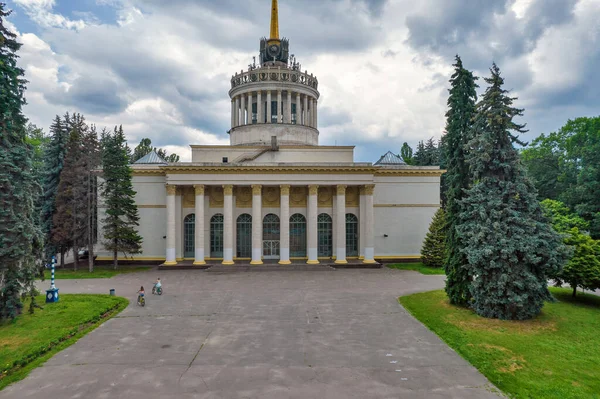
121,221
20,238
406,152
71,202
511,248
91,161
54,155
459,120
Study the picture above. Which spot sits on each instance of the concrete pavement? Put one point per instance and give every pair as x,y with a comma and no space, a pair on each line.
297,334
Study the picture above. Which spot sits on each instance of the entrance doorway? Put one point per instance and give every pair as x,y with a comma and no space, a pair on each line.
189,233
271,228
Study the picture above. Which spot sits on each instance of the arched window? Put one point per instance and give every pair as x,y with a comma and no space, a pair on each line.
297,235
325,235
351,235
189,234
244,236
216,236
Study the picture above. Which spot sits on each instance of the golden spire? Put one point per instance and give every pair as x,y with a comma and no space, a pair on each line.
274,20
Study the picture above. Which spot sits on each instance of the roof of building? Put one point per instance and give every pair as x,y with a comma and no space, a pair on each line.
151,158
390,158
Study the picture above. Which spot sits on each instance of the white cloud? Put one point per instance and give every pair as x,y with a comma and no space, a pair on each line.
40,11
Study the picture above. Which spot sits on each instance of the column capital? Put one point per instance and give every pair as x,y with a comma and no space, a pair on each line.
341,189
256,189
199,188
228,189
285,189
171,189
369,188
313,189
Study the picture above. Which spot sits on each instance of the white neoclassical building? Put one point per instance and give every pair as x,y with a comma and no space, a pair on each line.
274,193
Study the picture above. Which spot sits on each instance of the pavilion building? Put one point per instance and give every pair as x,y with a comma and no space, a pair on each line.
274,192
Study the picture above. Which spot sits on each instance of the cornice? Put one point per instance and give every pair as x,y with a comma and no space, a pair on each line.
283,169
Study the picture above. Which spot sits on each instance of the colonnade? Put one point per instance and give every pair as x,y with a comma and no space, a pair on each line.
242,108
366,212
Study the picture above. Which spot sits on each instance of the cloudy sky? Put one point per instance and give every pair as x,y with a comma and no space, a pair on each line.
162,68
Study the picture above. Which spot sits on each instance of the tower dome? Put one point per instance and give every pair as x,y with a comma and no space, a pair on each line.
274,98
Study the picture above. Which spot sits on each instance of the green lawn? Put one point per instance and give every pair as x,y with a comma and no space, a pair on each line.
418,267
32,339
99,272
556,355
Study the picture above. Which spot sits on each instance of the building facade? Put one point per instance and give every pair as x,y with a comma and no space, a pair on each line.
274,193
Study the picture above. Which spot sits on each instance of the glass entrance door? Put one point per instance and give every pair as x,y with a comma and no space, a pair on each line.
271,249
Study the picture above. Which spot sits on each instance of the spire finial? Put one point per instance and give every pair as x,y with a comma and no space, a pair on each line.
274,20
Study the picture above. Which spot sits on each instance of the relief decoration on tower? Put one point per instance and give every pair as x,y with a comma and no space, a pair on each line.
352,196
325,196
270,197
298,197
243,197
215,196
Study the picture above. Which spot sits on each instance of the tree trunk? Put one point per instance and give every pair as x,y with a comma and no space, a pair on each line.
89,223
574,291
62,256
115,263
75,256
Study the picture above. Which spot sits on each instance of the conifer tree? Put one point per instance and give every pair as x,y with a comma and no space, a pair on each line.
91,160
433,252
420,157
54,155
510,246
121,221
20,238
69,217
459,119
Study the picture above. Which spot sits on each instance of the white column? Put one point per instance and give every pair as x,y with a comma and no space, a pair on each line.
316,102
243,110
256,225
369,220
249,108
313,113
259,110
284,237
179,223
171,232
199,225
237,111
288,114
340,228
305,122
279,114
228,224
268,106
232,112
311,225
361,223
298,110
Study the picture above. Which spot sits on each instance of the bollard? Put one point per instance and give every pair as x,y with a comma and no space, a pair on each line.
52,293
112,292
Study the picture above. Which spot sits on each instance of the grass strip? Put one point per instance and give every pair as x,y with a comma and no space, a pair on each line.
31,339
555,355
417,267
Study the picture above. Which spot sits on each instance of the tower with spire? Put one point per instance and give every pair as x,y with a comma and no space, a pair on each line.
274,102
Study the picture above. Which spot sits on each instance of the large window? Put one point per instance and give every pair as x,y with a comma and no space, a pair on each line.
297,235
351,235
244,236
189,234
216,236
254,113
293,114
271,232
325,234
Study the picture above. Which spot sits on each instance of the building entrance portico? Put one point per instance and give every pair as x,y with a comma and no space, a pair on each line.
250,227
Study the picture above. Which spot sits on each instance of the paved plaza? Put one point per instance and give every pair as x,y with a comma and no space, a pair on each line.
294,334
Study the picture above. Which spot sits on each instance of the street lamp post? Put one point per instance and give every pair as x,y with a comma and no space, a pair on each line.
52,293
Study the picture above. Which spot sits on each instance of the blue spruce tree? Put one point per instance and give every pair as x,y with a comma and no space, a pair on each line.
510,246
